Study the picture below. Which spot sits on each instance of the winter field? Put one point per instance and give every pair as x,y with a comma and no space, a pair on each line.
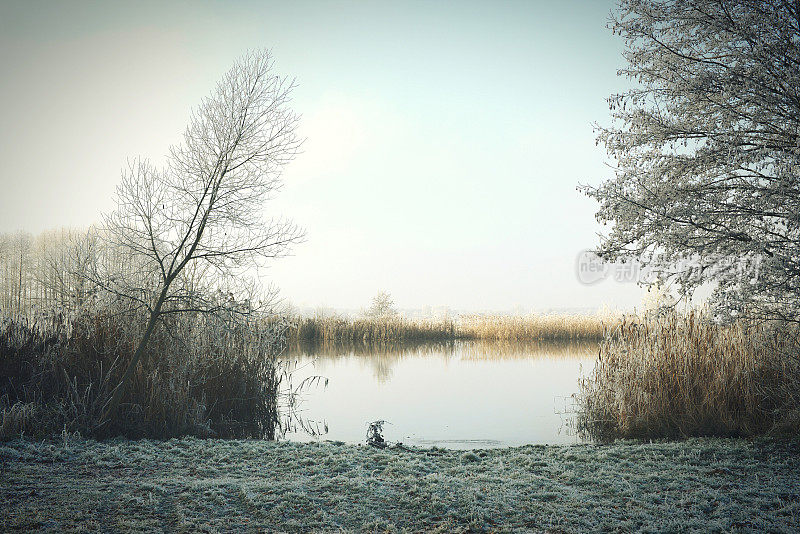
193,485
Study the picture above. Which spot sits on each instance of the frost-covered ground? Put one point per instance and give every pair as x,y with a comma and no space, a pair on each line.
239,486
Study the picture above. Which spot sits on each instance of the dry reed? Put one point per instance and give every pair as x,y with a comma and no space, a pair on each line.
338,330
202,377
549,327
678,375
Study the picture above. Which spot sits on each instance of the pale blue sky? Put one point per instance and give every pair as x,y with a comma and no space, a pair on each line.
445,139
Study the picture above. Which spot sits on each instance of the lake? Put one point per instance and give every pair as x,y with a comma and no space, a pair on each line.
459,395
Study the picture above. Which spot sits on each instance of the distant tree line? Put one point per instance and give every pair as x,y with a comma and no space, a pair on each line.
46,272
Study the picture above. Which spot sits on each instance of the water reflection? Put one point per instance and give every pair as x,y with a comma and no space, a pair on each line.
462,394
382,357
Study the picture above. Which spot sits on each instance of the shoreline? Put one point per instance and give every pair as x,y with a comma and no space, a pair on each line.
194,484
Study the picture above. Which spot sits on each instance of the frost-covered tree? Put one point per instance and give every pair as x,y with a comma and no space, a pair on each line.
382,307
707,146
189,232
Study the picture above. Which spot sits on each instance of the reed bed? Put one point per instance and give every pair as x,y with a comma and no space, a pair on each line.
533,328
549,327
338,330
202,377
680,375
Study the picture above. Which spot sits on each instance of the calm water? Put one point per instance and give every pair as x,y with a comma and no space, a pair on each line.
462,395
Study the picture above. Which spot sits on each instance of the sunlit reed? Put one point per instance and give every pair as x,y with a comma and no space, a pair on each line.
531,328
679,375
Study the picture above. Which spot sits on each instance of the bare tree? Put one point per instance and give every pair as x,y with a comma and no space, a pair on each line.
707,143
65,256
47,273
18,258
185,236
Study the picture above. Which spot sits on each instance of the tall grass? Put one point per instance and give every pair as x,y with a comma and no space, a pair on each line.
679,375
338,330
549,327
202,377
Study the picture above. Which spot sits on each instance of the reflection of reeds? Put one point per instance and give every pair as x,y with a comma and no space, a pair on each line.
681,375
480,349
517,350
333,350
331,330
383,356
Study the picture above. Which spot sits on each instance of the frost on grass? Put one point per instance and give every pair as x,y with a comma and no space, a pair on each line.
219,485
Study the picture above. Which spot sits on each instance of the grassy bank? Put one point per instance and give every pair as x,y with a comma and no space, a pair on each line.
682,375
339,330
248,486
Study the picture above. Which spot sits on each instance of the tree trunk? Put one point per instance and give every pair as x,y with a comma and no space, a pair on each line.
19,288
116,396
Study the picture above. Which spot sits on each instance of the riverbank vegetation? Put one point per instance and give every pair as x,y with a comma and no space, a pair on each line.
677,375
343,330
542,327
369,330
210,377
